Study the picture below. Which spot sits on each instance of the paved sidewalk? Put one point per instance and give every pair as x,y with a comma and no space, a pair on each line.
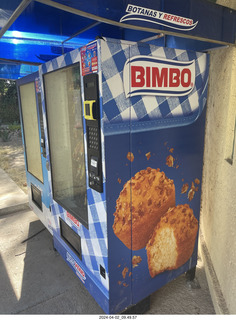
34,279
12,198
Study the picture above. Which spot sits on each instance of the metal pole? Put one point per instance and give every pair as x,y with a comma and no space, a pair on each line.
14,16
11,61
79,32
158,36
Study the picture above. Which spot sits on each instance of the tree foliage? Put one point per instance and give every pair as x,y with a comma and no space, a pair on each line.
9,110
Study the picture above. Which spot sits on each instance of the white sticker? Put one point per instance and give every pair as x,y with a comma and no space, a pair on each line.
94,163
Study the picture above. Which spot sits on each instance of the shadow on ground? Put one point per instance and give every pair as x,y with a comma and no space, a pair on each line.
36,280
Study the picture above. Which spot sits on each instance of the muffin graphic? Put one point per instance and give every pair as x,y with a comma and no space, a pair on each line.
173,239
144,199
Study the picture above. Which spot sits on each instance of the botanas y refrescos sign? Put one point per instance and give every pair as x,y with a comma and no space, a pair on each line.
172,21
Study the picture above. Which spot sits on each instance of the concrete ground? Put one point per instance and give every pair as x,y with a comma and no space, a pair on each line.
34,279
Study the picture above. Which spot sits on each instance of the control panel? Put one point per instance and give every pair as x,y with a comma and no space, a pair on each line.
92,119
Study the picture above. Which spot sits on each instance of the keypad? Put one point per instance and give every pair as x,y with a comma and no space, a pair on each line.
93,138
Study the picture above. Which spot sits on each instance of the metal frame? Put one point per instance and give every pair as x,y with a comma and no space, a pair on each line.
14,16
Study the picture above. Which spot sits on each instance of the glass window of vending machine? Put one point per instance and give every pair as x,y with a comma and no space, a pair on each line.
31,133
34,142
66,143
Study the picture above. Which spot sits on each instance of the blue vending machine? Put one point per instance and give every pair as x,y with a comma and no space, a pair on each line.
124,124
34,140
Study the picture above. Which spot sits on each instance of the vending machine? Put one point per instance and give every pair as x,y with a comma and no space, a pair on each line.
33,136
123,139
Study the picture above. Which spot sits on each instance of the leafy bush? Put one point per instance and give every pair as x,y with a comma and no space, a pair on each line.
14,127
9,110
5,134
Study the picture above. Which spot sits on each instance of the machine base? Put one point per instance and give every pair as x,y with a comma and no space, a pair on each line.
190,274
139,308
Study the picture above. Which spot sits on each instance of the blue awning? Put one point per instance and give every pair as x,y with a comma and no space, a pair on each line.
33,32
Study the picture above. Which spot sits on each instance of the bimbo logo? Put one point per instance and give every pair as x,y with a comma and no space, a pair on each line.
144,75
79,271
75,221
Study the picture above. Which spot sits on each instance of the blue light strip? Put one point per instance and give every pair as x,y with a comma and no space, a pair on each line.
17,37
14,72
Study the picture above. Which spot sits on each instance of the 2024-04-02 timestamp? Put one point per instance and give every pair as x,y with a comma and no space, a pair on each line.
119,317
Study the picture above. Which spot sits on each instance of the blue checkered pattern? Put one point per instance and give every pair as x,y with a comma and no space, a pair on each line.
94,239
147,112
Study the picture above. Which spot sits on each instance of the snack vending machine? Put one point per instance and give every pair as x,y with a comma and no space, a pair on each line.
124,136
33,136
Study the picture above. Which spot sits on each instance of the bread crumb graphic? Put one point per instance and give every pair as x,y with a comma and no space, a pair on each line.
130,156
136,260
192,191
119,180
118,266
191,194
148,155
185,188
124,272
170,161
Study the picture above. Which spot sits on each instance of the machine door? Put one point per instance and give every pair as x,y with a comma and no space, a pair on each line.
34,144
66,140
